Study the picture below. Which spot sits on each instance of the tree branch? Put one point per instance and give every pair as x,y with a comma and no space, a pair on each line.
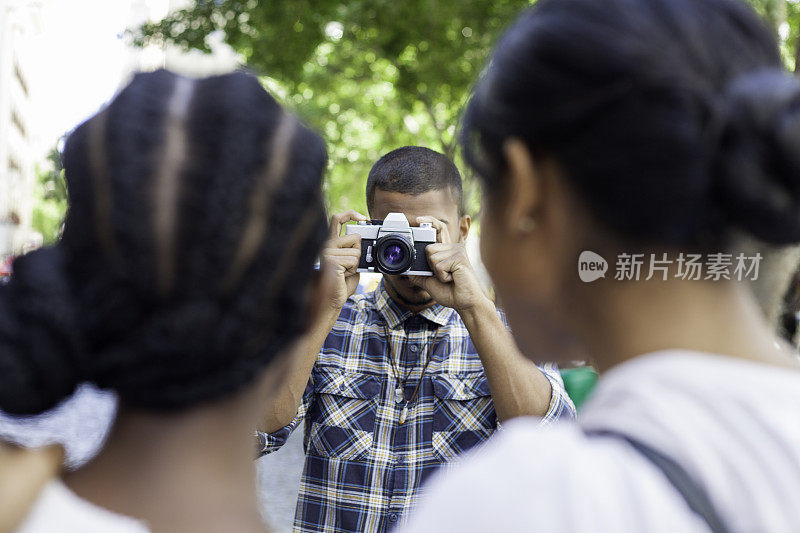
447,148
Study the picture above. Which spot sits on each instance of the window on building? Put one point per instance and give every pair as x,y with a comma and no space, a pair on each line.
20,79
17,122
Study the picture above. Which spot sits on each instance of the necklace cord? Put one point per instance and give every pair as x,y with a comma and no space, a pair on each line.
429,358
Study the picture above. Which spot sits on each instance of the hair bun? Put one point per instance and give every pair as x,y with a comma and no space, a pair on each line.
195,337
40,342
757,164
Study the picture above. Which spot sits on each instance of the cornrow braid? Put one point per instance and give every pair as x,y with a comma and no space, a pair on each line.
166,188
102,196
192,201
269,180
271,306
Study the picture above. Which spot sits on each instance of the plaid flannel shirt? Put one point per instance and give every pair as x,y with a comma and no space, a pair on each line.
363,468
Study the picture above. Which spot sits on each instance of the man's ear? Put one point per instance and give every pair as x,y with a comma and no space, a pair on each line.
464,223
525,184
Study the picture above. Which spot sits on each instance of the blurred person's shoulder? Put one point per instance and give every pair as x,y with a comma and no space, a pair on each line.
551,479
60,509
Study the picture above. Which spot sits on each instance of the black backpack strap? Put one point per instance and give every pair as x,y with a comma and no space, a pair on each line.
695,496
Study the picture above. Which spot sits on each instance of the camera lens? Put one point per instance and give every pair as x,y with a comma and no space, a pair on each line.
394,254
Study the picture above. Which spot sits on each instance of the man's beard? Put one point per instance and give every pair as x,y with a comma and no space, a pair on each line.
423,300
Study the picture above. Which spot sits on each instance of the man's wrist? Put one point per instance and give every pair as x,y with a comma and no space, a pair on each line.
334,307
326,318
482,308
332,311
336,304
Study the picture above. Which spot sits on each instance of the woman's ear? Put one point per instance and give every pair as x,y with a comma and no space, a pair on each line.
525,184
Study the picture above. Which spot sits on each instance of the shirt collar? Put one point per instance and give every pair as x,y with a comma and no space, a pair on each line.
394,315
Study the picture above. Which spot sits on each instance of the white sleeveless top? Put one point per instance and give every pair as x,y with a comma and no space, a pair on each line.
60,509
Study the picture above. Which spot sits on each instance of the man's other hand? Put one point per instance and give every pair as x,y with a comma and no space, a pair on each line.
454,283
339,261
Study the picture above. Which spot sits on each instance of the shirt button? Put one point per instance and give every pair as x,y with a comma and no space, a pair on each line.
400,460
393,517
413,348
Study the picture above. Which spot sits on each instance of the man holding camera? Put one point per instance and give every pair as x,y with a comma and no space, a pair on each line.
408,377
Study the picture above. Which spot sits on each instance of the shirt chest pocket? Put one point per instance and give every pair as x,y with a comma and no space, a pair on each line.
463,414
343,416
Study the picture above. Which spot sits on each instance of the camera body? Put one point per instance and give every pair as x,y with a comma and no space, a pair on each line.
393,247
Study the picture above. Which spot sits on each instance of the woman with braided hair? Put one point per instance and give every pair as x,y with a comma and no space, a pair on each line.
183,276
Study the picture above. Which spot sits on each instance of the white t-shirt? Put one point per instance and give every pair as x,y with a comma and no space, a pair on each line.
58,509
733,425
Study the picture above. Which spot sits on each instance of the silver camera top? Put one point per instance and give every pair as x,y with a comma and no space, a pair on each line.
396,224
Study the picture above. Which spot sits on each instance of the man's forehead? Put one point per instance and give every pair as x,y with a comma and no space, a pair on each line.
438,203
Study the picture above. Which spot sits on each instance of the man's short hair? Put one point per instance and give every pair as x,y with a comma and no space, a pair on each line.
414,170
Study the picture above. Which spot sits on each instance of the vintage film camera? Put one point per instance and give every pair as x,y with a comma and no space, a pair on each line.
392,246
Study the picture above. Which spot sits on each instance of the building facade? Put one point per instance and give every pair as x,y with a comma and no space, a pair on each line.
20,21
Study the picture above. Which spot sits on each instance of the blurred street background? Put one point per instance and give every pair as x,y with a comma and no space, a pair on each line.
369,75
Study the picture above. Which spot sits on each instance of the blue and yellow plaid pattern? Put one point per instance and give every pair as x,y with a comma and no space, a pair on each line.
363,468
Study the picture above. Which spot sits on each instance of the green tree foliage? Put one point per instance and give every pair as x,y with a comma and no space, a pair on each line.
369,75
784,17
50,195
372,75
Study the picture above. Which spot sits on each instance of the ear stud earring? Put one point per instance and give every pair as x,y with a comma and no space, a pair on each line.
526,225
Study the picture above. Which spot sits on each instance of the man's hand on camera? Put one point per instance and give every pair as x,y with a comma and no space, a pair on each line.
454,283
339,260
